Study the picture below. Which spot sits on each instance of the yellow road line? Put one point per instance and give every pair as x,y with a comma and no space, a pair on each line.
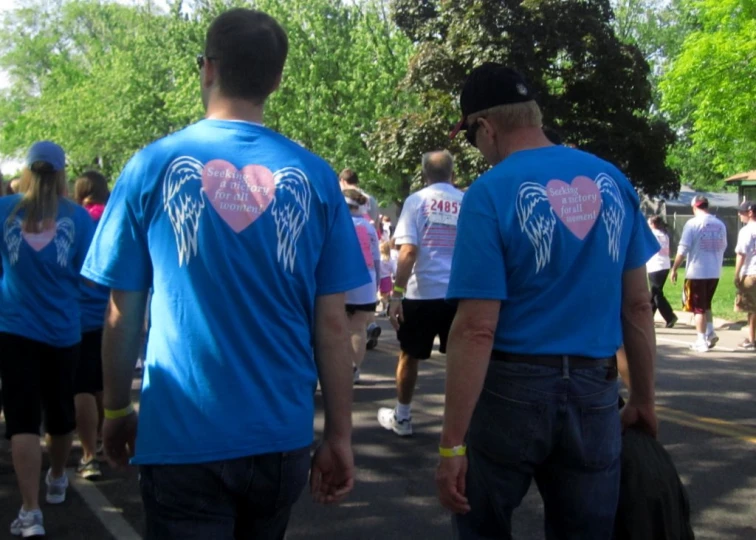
716,426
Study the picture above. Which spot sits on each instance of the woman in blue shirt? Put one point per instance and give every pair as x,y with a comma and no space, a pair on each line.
45,238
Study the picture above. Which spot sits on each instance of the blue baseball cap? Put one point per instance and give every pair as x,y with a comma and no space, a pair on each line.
48,152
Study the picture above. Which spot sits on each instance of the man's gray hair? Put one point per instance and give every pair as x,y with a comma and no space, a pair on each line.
438,166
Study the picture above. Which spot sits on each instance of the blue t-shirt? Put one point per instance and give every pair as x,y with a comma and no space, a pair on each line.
238,230
39,296
94,303
550,232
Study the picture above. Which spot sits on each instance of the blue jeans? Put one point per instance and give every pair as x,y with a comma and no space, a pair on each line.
245,498
559,426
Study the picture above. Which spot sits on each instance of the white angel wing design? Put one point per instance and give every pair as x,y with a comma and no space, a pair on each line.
64,238
612,212
537,220
183,202
291,210
12,238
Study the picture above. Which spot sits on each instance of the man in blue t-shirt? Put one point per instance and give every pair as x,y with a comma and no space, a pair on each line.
549,275
245,240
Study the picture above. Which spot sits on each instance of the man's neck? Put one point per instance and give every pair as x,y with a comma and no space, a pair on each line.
235,109
521,139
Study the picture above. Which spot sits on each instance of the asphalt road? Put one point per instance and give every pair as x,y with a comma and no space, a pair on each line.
708,425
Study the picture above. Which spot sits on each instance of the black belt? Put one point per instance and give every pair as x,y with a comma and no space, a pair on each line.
555,360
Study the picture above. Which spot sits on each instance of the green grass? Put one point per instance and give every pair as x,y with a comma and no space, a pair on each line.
723,305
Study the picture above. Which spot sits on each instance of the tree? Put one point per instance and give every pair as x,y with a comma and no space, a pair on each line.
593,88
106,79
711,89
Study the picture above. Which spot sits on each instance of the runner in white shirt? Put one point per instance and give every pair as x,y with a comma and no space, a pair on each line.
745,271
425,233
658,270
703,242
361,302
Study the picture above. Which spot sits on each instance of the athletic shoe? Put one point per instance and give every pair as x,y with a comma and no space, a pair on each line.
373,333
747,346
671,324
700,346
355,375
28,524
387,419
712,339
56,488
89,470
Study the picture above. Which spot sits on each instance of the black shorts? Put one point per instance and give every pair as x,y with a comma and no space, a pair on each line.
88,379
423,321
354,308
37,377
698,294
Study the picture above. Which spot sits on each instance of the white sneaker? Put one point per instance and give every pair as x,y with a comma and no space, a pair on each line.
712,339
28,524
56,488
700,346
387,419
356,375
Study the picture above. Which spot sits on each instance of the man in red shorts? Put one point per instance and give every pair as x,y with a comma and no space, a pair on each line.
703,243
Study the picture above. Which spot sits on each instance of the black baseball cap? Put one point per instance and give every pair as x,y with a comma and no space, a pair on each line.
747,206
490,85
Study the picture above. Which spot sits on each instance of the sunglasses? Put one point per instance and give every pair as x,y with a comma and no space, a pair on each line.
201,59
472,132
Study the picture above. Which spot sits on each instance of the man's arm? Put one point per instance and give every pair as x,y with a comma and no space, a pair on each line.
121,339
407,258
739,262
640,348
333,357
469,351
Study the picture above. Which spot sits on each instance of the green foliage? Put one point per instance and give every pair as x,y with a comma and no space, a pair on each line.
710,88
592,88
105,79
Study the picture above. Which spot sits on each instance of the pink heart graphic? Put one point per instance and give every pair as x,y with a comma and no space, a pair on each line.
239,196
39,241
577,205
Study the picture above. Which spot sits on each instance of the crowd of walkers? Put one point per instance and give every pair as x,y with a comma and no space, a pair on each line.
259,271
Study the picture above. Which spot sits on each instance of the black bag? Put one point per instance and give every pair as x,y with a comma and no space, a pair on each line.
653,503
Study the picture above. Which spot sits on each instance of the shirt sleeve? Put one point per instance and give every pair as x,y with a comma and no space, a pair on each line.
406,228
118,257
478,265
741,248
341,266
643,243
87,230
686,240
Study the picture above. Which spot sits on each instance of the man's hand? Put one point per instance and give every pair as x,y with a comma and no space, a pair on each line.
119,439
673,276
450,481
738,281
396,312
332,474
641,417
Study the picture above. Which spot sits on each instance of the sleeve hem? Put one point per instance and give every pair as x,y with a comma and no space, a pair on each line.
112,283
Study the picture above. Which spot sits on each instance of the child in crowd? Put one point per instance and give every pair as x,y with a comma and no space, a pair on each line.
388,270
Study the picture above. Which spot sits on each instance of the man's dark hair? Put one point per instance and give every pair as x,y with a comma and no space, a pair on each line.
249,48
348,176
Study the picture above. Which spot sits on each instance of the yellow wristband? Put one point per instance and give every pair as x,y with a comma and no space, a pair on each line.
455,451
119,413
399,289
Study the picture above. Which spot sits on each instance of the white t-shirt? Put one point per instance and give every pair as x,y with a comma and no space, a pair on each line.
747,247
703,241
369,244
429,221
388,268
660,261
